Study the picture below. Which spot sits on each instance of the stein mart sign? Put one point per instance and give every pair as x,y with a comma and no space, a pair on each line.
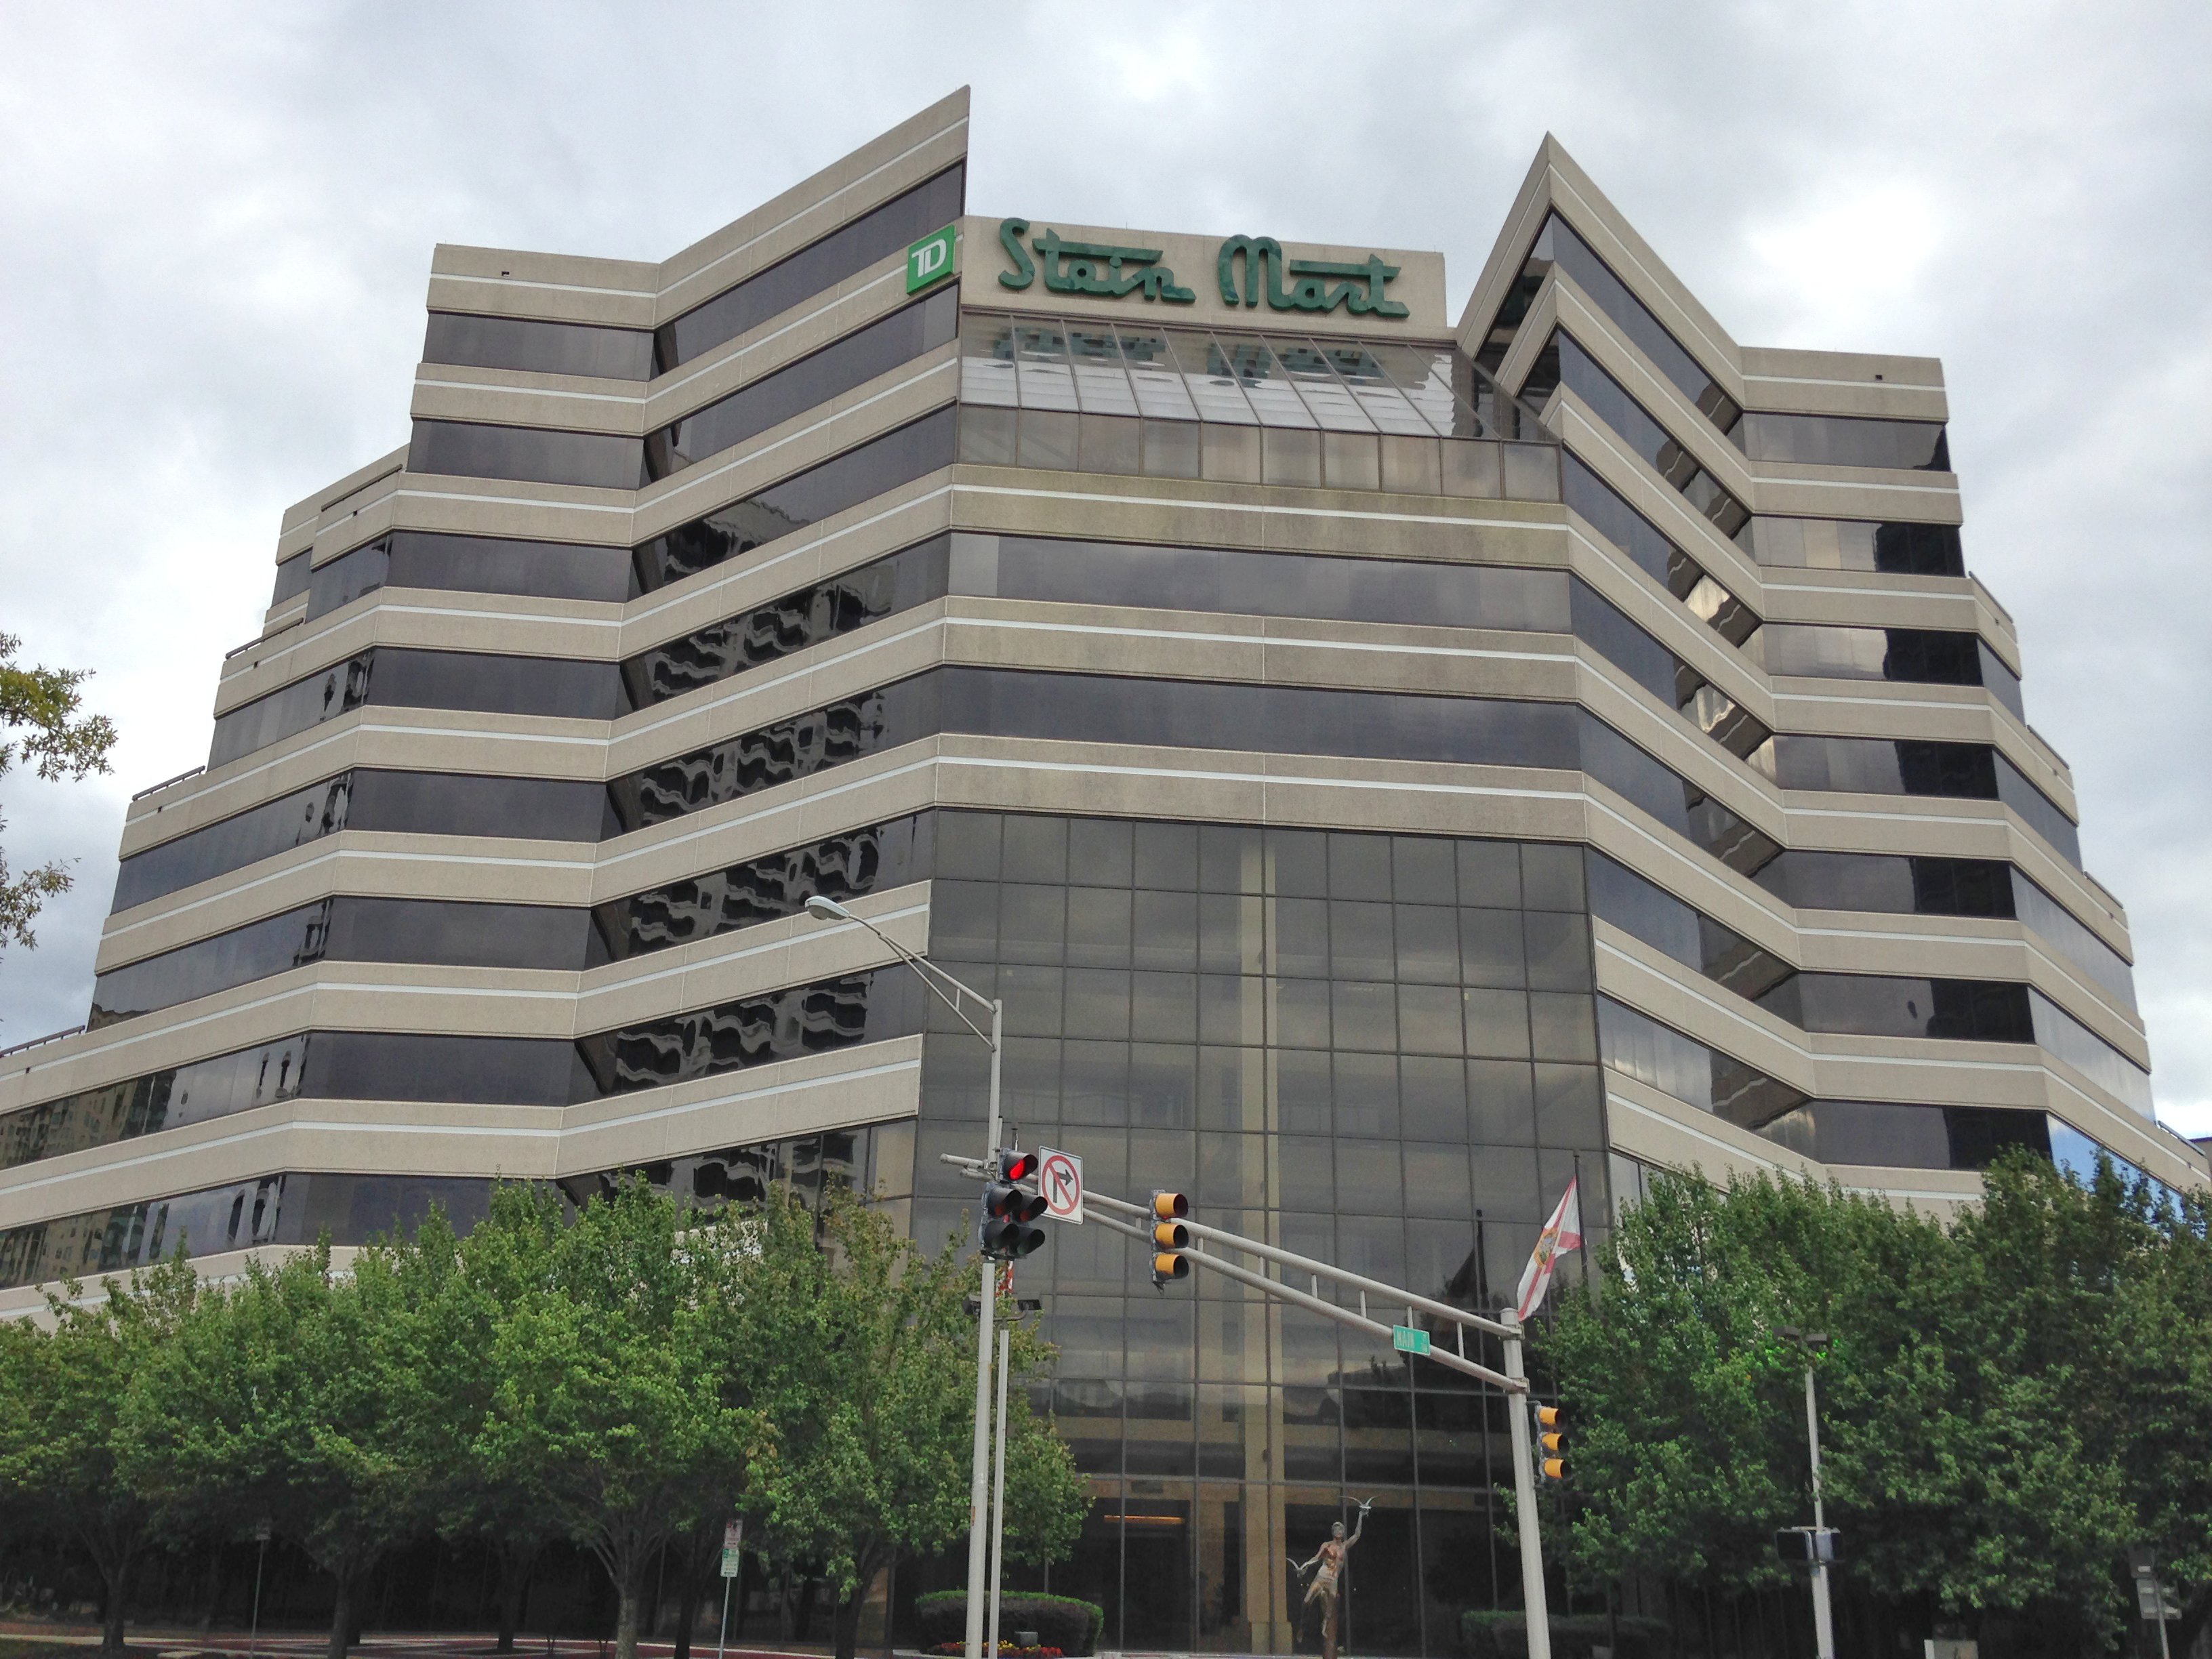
1247,269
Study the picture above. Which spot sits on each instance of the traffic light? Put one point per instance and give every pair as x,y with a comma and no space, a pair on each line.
1551,1441
1171,1238
1009,1208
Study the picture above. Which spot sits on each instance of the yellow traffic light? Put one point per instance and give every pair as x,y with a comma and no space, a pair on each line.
1552,1436
1171,1238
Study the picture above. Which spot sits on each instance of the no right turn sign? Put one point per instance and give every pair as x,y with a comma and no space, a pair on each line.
1059,1178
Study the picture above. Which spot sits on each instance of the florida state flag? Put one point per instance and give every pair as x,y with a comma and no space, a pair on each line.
1563,1232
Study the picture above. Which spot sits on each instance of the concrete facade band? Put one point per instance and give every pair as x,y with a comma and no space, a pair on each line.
1389,769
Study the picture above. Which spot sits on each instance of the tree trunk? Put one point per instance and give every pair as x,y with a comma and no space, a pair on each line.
628,1594
341,1614
118,1582
213,1586
688,1594
515,1566
848,1633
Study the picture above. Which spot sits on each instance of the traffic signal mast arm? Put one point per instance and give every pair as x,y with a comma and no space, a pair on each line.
1326,1309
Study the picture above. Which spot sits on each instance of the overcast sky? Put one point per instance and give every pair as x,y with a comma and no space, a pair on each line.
216,225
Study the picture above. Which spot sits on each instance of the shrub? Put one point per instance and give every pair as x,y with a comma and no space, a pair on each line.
1487,1635
1061,1621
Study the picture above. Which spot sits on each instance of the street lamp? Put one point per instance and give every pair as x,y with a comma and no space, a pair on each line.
952,994
1823,1625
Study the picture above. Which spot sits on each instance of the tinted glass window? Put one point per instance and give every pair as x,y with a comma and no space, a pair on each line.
843,481
1881,766
1904,549
875,235
837,605
1565,362
765,889
346,928
1846,440
239,956
2038,811
1260,584
368,929
812,380
1924,655
162,1100
1882,1132
471,564
323,1064
539,347
291,709
492,682
529,454
2072,941
455,803
1662,1058
1874,1004
1558,244
406,678
756,1031
417,1065
2070,1040
1099,709
260,832
291,579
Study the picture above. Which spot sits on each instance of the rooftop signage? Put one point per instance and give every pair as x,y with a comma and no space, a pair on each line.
1247,271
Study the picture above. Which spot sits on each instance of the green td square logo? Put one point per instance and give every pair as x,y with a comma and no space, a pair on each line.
932,258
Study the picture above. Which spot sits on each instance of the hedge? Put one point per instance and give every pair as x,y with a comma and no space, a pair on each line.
1487,1635
1061,1621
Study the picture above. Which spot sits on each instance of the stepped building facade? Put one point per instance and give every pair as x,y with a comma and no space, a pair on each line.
1387,767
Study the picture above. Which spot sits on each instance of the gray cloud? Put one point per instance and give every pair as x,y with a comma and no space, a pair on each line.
216,221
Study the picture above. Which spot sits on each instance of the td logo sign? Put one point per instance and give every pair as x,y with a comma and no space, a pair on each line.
932,258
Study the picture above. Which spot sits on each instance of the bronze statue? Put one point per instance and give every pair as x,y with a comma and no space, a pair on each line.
1329,1558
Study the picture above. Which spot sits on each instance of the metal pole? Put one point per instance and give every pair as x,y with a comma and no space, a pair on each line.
2159,1589
1524,1499
722,1641
979,1486
254,1642
998,1495
1824,1626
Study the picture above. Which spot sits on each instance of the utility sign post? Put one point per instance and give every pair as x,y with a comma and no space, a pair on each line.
1059,1178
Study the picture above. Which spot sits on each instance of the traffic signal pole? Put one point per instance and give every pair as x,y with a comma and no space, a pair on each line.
979,1487
1824,1623
823,908
1524,1499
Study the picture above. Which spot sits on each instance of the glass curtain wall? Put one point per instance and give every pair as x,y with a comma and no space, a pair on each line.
1377,1050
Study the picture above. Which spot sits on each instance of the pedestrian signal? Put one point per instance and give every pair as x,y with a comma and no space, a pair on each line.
1551,1439
1171,1238
1009,1208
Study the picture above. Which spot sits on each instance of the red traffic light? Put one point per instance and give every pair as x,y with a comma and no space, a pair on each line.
1015,1164
1008,1202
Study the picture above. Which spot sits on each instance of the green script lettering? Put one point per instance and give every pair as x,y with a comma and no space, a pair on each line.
1098,269
1361,292
1010,238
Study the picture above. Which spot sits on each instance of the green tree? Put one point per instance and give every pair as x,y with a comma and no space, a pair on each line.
861,1357
2005,1405
43,704
285,1397
612,1406
62,1403
464,1288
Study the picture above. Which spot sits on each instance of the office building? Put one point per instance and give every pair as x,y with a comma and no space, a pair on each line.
1388,766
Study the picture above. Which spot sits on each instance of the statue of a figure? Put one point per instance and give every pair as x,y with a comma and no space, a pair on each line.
1328,1569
